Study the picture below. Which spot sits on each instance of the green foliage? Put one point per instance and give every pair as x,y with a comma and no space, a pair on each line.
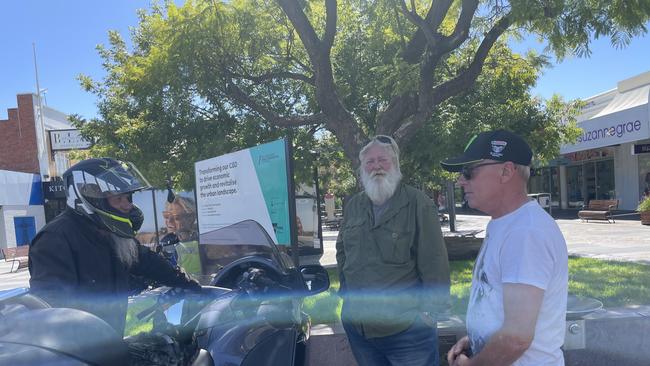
569,25
208,77
334,169
325,308
644,205
499,99
158,107
614,283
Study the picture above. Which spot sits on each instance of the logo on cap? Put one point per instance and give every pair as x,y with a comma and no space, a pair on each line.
497,148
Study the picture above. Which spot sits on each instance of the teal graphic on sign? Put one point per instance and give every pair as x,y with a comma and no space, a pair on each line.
270,162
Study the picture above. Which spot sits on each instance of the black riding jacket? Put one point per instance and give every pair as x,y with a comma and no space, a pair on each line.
72,264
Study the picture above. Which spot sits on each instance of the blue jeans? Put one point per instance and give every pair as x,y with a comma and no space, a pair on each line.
416,346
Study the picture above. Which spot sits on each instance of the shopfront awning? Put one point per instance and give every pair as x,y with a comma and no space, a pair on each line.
624,119
20,189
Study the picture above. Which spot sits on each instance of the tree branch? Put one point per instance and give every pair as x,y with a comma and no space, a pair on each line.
461,31
464,80
428,31
330,24
319,55
430,24
275,75
399,108
244,99
337,118
304,28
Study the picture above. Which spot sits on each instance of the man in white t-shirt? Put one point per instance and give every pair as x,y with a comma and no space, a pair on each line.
517,306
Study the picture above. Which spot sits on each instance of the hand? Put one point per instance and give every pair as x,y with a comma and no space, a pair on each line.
194,285
461,360
455,356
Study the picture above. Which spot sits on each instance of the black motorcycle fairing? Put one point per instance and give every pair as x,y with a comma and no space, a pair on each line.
20,297
75,333
22,355
277,349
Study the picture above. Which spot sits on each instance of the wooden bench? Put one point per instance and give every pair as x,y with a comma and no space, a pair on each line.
17,255
599,210
335,223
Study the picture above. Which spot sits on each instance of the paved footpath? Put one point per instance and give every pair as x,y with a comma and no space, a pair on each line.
625,240
10,279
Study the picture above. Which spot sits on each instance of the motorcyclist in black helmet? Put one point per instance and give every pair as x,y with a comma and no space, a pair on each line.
84,258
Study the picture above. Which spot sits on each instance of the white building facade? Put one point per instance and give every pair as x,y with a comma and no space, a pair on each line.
611,158
21,208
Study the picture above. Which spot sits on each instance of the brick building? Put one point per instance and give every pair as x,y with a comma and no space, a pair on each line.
19,147
27,160
24,138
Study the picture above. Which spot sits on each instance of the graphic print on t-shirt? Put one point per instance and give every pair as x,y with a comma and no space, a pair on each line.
481,288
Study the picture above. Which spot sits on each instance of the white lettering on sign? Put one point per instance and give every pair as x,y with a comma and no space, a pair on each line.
68,140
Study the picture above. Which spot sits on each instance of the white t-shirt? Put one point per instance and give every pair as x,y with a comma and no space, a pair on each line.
524,247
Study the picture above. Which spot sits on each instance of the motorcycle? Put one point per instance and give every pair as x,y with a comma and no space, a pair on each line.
249,314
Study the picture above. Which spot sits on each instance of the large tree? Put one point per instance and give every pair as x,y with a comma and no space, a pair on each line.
242,71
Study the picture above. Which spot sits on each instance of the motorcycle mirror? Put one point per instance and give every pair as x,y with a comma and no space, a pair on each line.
316,278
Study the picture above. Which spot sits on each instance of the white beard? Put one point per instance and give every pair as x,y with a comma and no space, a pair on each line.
125,249
380,185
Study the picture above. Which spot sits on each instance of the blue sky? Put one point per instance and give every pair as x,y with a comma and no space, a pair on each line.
66,33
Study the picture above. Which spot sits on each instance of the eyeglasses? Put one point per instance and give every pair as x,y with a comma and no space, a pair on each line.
177,217
468,171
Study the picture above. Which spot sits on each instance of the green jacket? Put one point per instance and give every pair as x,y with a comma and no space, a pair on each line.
395,269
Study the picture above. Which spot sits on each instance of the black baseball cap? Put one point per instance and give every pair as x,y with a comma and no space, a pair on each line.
499,145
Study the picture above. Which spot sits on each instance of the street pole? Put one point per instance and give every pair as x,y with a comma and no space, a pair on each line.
43,158
451,206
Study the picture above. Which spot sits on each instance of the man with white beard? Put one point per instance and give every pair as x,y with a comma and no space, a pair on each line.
393,265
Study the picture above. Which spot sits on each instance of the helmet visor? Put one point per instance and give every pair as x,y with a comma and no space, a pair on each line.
110,180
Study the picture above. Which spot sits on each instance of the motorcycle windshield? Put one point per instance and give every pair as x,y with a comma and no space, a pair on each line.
219,247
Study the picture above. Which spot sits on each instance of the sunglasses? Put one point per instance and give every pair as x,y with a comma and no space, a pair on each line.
384,139
468,171
387,140
167,216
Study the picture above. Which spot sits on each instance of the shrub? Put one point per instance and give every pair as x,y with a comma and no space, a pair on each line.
644,205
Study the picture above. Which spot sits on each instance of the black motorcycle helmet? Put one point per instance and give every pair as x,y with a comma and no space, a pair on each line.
90,182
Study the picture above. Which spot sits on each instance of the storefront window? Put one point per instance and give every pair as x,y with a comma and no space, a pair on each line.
546,180
644,173
574,185
589,181
604,171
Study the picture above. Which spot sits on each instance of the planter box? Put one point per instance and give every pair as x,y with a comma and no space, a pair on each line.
645,217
